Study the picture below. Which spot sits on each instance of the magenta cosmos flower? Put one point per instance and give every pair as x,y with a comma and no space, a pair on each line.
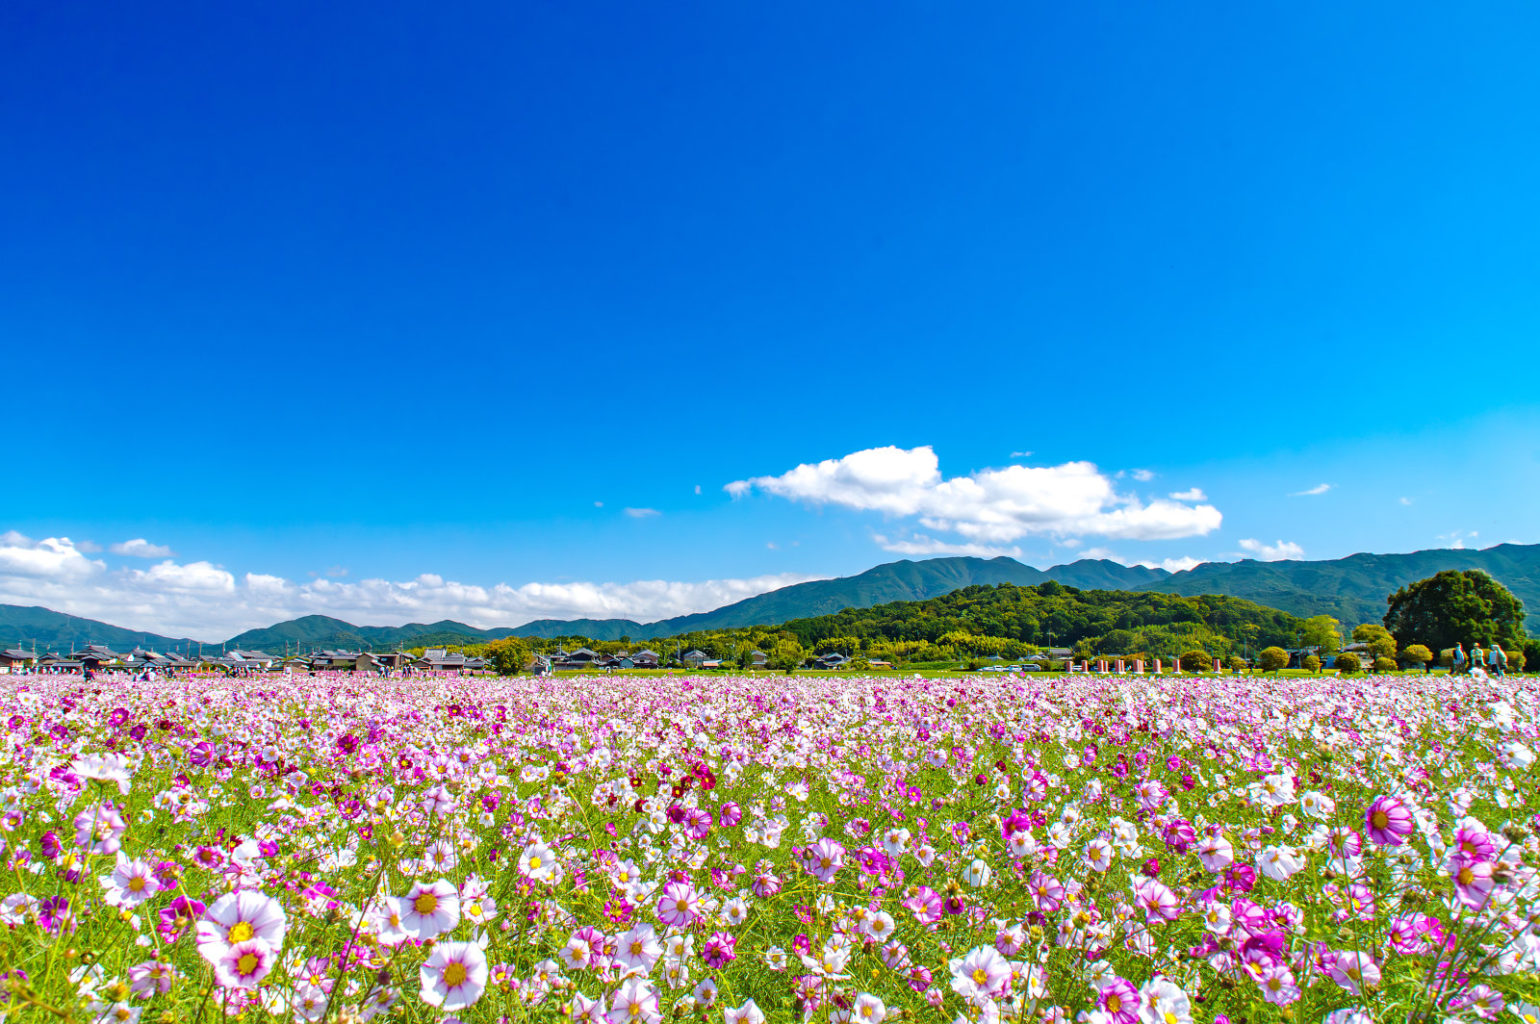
1389,821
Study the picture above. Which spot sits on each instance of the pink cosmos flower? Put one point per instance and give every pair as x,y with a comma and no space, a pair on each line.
1473,881
1277,984
1119,1000
635,1002
981,973
1215,853
1047,892
100,829
244,964
1388,821
1157,900
1352,970
824,859
718,951
678,906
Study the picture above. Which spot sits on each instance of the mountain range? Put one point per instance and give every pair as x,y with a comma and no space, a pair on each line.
1352,589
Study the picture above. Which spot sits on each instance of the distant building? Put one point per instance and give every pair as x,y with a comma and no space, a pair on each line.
645,659
694,659
16,660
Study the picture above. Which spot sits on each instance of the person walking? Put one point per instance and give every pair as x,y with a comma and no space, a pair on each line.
1457,660
1497,658
1478,658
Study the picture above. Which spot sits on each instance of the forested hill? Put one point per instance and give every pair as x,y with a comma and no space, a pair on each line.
981,619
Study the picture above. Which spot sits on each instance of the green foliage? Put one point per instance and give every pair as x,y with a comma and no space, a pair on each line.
1381,643
1310,663
1322,631
1456,607
1347,664
1384,664
1416,654
1195,661
1237,663
1517,660
508,655
1272,659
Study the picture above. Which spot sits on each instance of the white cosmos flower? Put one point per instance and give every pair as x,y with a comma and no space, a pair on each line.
454,976
238,916
537,862
430,908
1279,862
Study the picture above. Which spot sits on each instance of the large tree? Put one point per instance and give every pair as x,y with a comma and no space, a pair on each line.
1456,607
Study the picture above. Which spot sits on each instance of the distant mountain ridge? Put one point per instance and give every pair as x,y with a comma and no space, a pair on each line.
1353,589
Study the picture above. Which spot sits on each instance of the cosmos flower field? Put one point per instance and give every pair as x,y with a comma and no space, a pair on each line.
771,849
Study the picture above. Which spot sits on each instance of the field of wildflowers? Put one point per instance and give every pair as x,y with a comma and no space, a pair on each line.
774,849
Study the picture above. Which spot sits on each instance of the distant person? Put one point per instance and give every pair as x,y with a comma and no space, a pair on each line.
1457,660
1478,658
1497,659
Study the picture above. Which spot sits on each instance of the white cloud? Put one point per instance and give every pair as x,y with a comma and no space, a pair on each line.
642,513
1144,476
919,544
1457,538
598,504
141,548
1272,552
1317,489
1191,494
209,603
1406,501
1180,564
53,558
1100,553
1021,455
697,488
990,506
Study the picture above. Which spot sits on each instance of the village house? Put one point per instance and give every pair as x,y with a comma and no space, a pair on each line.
16,660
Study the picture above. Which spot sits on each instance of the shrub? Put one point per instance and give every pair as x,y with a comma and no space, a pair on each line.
1384,664
1237,663
1347,664
1195,661
1517,661
1272,659
1311,663
1416,654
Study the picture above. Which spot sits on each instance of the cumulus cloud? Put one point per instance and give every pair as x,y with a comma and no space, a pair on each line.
53,558
920,544
1317,489
642,513
1272,552
141,548
210,603
1457,538
1179,564
988,507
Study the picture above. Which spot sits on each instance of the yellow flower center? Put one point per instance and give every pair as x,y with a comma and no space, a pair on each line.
980,976
1114,1004
1380,819
136,884
247,964
454,973
240,933
426,903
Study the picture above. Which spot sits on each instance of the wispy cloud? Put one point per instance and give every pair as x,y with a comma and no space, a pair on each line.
1272,552
1457,538
141,548
1021,455
1144,476
1317,489
1406,501
919,544
1191,494
642,513
988,507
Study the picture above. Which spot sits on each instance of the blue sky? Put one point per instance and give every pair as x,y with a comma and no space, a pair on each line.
418,292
